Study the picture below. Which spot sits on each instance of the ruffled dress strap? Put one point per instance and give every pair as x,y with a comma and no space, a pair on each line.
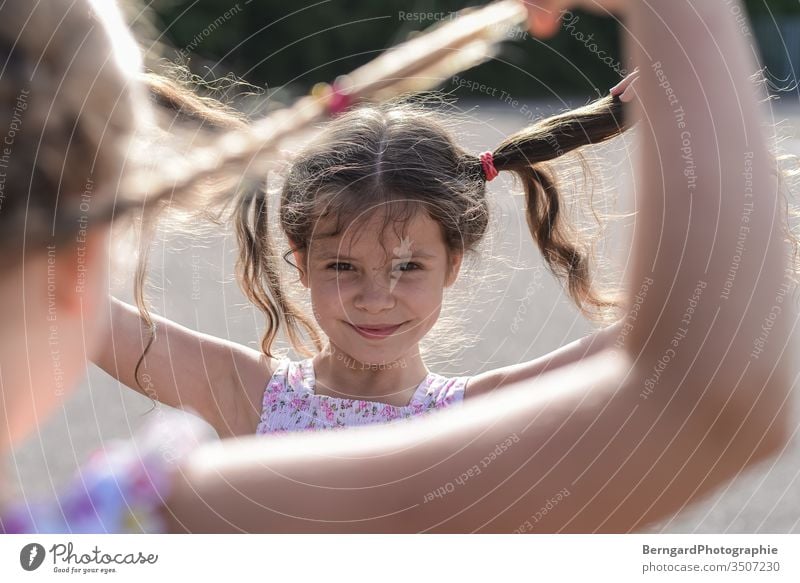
441,391
275,392
123,486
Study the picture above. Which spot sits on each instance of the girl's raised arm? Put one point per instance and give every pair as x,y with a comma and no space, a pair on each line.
184,368
624,437
212,377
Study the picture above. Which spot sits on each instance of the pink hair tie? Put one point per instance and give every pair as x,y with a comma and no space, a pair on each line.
339,101
487,162
335,97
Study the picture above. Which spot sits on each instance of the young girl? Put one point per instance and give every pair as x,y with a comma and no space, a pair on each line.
379,211
622,460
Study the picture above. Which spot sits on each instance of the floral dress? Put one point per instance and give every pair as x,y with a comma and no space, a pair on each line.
121,488
290,403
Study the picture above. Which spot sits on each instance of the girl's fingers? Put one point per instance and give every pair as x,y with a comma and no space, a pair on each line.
546,26
544,17
629,92
544,21
625,83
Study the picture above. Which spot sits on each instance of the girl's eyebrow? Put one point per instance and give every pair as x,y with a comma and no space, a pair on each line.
329,254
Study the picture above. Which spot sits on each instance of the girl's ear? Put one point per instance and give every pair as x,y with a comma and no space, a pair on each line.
455,267
300,262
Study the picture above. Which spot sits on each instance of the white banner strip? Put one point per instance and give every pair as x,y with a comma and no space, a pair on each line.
402,558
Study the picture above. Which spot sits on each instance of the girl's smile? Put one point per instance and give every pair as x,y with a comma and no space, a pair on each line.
376,332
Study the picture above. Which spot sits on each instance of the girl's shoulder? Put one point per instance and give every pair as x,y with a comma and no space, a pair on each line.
122,486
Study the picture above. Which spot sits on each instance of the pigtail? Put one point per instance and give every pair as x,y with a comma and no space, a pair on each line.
258,274
525,153
146,231
179,105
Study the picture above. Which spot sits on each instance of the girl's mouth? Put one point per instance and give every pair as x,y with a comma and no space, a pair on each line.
375,333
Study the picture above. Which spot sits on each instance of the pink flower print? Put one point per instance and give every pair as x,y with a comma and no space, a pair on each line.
389,412
291,405
326,408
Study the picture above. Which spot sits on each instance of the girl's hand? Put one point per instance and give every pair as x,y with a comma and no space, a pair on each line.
544,16
625,88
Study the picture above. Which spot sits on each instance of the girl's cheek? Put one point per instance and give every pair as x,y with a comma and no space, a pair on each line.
417,285
328,291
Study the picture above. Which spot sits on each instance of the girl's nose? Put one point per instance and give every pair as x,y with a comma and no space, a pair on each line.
375,294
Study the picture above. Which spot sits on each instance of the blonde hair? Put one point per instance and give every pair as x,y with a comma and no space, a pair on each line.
70,109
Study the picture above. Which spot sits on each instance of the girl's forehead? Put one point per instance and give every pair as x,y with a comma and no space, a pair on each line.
420,232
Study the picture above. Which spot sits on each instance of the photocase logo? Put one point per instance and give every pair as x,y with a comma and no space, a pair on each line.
31,556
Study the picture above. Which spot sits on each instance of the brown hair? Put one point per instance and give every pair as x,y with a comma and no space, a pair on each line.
401,158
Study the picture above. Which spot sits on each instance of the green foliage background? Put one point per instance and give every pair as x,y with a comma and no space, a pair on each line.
274,43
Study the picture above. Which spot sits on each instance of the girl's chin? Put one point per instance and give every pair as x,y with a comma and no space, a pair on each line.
360,357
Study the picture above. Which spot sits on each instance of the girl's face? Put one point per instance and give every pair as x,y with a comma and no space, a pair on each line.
376,294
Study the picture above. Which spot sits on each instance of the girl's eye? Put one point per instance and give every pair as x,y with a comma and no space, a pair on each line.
405,266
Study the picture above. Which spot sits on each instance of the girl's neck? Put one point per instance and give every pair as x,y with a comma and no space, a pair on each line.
339,375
